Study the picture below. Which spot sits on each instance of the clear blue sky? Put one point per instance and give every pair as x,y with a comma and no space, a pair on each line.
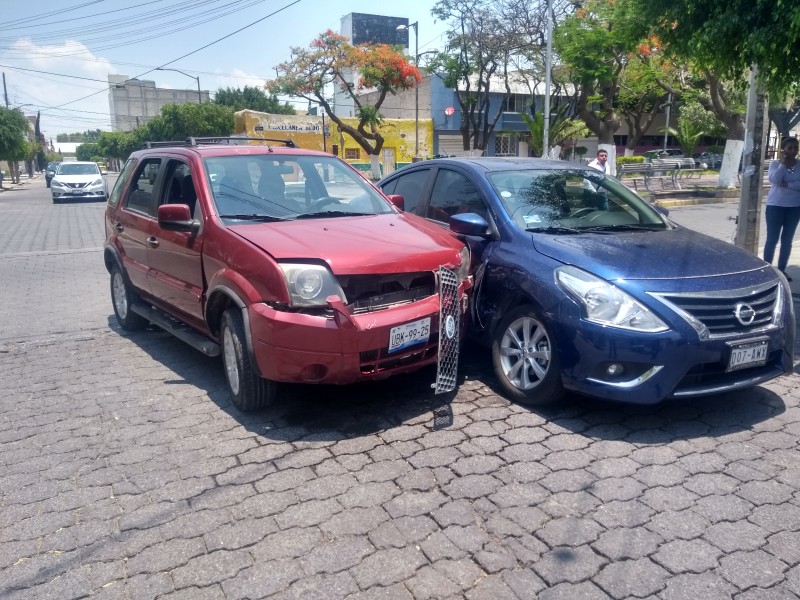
57,60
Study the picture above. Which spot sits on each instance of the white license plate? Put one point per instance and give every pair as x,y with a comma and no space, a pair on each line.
743,356
409,334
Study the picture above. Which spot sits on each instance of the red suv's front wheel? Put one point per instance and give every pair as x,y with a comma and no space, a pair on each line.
249,391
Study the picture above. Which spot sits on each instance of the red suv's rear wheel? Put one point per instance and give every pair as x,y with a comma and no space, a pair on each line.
249,391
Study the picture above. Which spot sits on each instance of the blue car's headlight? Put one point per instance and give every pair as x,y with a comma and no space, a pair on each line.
605,303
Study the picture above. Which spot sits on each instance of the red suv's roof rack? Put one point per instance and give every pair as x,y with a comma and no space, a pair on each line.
197,141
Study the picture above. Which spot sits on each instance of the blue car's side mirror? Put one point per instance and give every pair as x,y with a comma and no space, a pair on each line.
469,224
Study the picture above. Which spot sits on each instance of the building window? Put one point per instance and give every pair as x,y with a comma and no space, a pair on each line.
352,153
517,103
505,145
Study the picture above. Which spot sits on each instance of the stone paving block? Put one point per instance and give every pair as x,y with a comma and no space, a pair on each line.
687,556
427,582
337,555
413,503
388,566
354,521
572,565
573,591
622,514
334,585
785,546
262,580
708,586
240,534
491,588
211,568
632,578
392,592
740,535
288,544
775,518
569,531
622,544
745,569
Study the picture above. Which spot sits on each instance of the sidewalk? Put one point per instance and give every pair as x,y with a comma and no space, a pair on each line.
23,181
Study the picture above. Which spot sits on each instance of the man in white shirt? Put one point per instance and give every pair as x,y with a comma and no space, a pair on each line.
600,164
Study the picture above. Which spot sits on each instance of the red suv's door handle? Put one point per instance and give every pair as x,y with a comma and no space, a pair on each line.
119,227
152,242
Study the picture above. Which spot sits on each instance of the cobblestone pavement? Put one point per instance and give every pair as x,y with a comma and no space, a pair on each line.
126,473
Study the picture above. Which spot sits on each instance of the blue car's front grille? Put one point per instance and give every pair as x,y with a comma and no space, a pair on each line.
718,311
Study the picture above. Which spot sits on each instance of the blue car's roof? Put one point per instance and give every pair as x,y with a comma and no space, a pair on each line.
495,163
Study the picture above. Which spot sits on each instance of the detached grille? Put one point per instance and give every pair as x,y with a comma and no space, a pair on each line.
717,311
449,330
367,293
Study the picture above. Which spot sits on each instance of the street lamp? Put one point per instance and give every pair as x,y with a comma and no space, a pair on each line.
197,79
415,25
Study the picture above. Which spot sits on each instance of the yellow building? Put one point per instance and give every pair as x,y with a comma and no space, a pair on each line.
308,131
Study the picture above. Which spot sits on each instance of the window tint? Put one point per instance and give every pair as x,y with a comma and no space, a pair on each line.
453,193
122,180
410,186
180,185
140,193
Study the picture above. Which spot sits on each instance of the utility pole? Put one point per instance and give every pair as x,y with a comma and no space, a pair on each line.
548,59
756,123
5,91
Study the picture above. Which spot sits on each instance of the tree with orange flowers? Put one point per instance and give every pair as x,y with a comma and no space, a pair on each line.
331,61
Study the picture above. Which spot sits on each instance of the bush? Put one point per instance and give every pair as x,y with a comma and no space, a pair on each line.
580,151
629,160
716,149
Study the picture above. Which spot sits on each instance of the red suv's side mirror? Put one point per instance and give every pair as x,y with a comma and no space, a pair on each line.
176,217
398,200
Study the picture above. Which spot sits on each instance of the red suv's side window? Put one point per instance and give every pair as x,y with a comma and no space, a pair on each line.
140,196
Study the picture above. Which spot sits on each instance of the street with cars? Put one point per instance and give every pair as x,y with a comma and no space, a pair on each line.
127,471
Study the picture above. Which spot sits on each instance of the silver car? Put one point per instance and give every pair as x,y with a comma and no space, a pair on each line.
78,180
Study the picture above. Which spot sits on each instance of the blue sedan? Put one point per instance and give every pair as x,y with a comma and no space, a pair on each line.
581,285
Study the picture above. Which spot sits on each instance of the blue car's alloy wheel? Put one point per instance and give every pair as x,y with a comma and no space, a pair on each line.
525,358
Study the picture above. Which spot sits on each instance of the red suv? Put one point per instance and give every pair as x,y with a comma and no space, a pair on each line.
286,261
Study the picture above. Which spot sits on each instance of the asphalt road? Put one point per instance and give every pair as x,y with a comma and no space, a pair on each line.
126,473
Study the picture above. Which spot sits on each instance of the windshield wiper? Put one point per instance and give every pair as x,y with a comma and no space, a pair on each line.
252,217
606,228
331,213
554,229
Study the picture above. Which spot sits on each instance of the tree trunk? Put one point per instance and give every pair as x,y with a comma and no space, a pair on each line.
728,172
375,164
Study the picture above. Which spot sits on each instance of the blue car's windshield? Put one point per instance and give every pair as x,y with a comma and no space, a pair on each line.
572,200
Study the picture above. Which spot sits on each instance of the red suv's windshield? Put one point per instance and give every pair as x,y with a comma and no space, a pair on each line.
274,186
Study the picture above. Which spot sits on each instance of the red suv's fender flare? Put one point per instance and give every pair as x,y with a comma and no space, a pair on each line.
224,291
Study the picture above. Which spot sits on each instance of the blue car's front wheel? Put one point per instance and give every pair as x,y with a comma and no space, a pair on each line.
525,358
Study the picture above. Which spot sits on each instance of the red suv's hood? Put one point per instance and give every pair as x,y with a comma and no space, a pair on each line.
391,243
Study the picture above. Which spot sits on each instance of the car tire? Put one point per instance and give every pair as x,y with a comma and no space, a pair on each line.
249,391
525,358
122,297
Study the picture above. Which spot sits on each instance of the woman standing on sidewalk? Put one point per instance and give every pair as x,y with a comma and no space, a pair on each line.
783,203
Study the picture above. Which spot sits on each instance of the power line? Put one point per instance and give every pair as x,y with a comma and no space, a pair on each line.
198,49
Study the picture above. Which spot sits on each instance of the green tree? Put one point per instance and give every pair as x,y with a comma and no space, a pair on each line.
252,98
597,43
331,60
13,139
482,43
562,128
181,121
86,151
730,35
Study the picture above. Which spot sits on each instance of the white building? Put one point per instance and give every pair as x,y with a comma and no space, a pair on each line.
133,102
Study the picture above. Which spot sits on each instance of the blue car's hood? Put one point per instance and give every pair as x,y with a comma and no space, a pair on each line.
668,254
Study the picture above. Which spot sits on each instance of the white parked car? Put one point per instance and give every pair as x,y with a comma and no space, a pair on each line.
78,180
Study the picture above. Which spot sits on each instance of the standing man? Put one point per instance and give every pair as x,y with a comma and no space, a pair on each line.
599,163
597,194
